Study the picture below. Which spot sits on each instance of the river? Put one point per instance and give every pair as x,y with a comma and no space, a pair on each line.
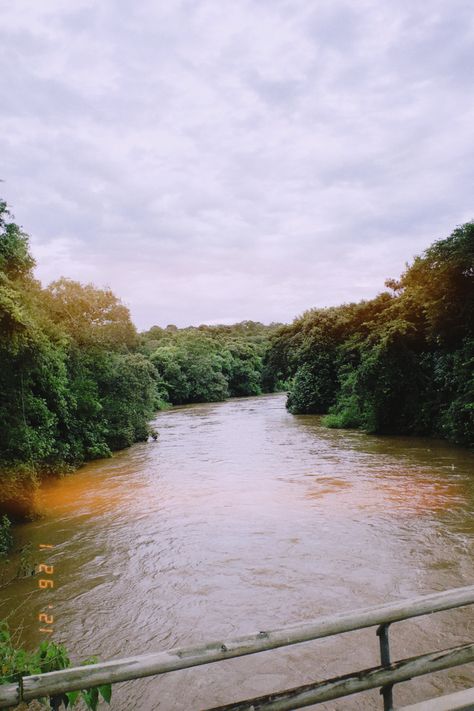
242,517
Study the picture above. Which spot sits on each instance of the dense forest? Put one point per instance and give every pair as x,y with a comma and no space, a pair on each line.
210,363
400,363
79,382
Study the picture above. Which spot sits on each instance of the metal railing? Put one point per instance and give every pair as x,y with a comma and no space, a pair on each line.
383,676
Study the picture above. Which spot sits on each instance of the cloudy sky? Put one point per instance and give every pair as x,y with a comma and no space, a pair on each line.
221,160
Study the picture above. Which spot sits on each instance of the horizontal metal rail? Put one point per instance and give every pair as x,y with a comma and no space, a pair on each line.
136,667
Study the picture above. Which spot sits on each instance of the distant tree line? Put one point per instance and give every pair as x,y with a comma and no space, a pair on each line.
210,363
400,363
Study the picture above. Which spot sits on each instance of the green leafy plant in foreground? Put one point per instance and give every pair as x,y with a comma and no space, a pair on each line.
49,656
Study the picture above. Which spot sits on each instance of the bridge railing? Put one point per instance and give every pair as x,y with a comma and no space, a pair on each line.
383,676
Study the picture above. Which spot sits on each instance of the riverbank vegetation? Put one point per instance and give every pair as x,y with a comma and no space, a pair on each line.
79,382
401,363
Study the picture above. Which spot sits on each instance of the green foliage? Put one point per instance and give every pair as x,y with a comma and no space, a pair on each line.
209,363
128,395
6,540
15,259
314,385
454,379
401,363
441,282
92,317
49,656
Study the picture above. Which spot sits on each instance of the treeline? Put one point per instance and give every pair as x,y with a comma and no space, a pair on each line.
210,363
400,363
77,381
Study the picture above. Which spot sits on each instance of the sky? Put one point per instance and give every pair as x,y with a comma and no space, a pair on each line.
219,160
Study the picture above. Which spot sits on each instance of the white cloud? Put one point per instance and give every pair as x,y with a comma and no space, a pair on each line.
252,159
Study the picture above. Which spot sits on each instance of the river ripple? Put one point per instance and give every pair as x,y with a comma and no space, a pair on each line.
243,517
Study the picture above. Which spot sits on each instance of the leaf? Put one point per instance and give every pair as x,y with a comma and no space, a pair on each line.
106,692
91,698
72,697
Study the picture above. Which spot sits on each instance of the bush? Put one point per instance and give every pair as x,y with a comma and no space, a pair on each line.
48,657
312,390
6,539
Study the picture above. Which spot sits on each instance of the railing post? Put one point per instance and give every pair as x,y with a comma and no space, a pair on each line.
386,691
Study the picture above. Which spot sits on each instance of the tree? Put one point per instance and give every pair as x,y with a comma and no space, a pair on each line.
15,258
91,316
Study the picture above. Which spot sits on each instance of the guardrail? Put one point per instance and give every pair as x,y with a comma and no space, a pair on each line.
384,676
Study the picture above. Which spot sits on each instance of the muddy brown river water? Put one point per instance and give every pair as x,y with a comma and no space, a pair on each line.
243,517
